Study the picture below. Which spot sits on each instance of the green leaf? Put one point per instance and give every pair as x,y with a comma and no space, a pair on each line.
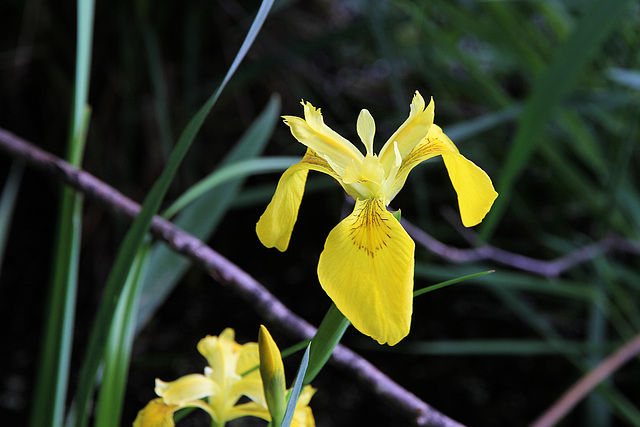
53,369
119,345
449,282
327,337
296,389
554,84
201,217
227,173
136,234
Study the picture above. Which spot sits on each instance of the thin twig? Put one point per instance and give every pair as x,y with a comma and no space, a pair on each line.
551,268
225,272
587,383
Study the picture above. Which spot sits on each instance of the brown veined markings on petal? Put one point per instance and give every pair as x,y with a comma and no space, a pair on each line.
369,230
428,149
319,164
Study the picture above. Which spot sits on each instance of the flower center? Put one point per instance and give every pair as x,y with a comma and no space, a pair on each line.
366,178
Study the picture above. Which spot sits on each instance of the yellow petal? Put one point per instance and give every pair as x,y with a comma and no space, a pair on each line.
276,223
303,417
312,132
275,226
410,133
305,396
186,389
221,353
248,359
473,187
249,409
372,170
250,384
366,268
156,414
366,128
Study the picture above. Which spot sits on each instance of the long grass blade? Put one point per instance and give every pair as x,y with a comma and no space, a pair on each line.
119,345
135,236
296,389
8,203
202,216
550,89
53,371
228,173
449,282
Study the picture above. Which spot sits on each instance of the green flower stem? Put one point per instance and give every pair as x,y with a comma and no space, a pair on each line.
327,337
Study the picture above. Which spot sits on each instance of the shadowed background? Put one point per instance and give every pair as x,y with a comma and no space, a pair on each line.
559,143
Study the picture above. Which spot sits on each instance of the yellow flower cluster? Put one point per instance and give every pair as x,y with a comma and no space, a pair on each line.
231,373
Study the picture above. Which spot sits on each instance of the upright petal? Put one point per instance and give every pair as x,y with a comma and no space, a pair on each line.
275,226
221,353
410,133
366,128
366,268
315,134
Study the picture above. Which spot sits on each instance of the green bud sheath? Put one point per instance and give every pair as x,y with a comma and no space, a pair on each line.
272,373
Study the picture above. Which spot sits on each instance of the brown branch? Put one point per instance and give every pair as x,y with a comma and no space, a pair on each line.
225,272
587,383
551,268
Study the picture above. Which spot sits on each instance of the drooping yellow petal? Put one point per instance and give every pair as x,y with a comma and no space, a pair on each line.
315,134
276,223
186,389
275,226
473,186
411,132
366,268
156,414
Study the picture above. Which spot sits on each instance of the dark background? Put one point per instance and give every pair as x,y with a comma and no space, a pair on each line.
474,58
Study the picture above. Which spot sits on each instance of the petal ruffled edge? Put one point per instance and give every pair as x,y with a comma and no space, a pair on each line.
366,268
315,134
411,132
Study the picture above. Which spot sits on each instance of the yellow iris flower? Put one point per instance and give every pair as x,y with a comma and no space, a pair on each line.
224,382
366,267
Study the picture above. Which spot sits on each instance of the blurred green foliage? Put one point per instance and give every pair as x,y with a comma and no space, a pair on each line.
543,95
